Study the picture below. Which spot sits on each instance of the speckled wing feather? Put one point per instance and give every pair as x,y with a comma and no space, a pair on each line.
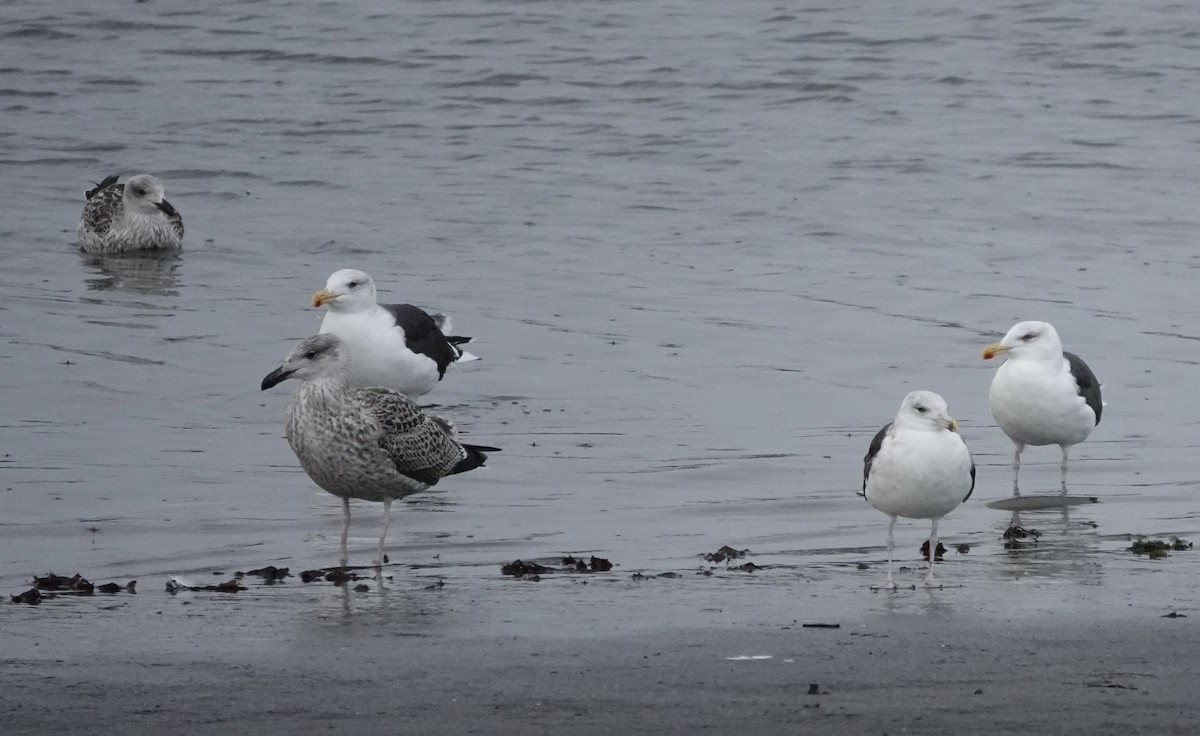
104,206
420,446
105,183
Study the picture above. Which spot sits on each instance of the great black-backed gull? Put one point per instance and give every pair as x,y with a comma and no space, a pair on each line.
397,346
369,443
918,467
132,216
1042,395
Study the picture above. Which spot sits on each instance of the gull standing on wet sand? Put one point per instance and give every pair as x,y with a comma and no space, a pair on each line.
918,467
1042,395
369,443
398,346
132,216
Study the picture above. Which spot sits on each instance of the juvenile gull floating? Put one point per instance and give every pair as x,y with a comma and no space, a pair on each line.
128,217
918,467
398,346
369,443
1042,395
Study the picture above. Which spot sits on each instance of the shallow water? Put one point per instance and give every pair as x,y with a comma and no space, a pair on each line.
705,249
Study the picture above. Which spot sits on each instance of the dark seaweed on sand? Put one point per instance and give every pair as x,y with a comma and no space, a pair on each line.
1156,549
726,553
533,570
229,586
335,575
941,550
270,573
52,585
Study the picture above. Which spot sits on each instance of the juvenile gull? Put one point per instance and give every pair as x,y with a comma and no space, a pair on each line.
918,467
369,443
129,217
1042,395
398,346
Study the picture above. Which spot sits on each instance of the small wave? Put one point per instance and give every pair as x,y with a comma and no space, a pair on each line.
38,33
269,55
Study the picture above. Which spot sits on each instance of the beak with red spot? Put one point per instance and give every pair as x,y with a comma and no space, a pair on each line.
990,351
323,297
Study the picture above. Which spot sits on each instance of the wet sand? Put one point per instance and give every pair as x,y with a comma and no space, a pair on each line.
903,675
429,650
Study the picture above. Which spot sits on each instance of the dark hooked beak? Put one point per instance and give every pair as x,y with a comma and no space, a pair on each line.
276,377
166,207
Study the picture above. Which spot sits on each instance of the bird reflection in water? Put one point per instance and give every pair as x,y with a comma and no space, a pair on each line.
149,273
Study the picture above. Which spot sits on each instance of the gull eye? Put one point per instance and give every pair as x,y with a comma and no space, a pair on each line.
311,354
139,191
922,409
353,284
1028,336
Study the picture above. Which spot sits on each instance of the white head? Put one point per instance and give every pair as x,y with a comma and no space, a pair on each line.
1036,340
144,194
319,356
347,291
925,410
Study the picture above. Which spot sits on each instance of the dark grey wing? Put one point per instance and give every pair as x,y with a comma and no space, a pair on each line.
972,481
105,183
422,335
418,444
103,206
1085,381
876,444
173,215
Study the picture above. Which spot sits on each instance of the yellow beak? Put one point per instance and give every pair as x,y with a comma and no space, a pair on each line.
953,425
989,352
321,297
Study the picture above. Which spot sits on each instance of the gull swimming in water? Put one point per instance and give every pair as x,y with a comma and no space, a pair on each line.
918,467
1042,395
132,216
398,346
373,444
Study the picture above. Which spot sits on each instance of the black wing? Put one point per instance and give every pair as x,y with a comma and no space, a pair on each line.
972,481
173,215
1085,381
871,453
475,458
422,335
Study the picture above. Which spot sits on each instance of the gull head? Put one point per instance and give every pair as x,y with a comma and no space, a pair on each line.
346,291
144,194
1038,340
925,409
319,356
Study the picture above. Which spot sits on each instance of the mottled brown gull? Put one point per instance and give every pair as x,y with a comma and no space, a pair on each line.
1042,395
398,346
918,467
132,216
373,444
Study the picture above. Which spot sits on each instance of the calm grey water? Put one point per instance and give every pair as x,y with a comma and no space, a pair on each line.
704,248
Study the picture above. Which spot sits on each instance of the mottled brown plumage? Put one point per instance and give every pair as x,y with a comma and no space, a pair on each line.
372,444
129,217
